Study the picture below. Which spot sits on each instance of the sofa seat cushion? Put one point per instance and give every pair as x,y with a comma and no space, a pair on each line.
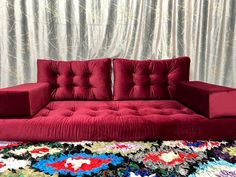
149,79
116,120
77,80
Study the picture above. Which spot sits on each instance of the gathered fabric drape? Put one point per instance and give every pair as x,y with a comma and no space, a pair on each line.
205,30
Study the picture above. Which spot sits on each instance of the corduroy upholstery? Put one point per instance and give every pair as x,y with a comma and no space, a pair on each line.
116,120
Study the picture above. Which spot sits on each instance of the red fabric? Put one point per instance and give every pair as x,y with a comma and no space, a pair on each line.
158,158
149,79
23,100
116,120
77,80
94,163
207,99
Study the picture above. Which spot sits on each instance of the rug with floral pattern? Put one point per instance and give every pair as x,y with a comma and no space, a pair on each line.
87,158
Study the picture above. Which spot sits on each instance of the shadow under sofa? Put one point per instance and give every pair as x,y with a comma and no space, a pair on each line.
151,100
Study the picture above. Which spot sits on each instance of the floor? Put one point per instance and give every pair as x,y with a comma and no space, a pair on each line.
86,158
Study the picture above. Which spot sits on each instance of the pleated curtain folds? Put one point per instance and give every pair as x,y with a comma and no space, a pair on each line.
204,30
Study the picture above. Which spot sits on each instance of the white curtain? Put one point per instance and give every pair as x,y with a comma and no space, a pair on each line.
205,30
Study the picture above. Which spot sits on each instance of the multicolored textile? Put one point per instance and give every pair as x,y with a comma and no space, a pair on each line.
135,159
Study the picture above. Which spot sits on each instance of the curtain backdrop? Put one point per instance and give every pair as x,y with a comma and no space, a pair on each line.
205,30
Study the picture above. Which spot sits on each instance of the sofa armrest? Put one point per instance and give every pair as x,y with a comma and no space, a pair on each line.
207,99
23,100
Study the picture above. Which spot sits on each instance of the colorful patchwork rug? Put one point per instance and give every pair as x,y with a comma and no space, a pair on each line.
87,158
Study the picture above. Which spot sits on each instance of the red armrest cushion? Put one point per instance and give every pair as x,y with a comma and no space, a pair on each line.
207,99
23,100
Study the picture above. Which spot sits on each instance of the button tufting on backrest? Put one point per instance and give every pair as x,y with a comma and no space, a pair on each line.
72,109
133,108
75,79
114,108
94,108
149,79
87,74
88,86
49,108
71,74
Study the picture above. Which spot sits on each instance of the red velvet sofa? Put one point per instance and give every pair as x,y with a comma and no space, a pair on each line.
151,99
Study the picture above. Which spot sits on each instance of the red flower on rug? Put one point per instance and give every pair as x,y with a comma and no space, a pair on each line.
120,146
169,158
76,164
4,144
36,151
40,150
2,164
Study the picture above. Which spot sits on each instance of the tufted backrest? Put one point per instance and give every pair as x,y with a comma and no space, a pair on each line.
149,79
77,80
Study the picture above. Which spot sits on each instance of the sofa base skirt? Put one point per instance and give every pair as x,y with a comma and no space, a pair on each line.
20,130
116,121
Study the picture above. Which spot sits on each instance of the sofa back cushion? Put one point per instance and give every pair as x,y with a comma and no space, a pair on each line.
77,80
149,79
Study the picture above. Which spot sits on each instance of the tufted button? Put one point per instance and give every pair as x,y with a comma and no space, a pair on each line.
44,114
88,86
165,84
133,108
132,71
55,73
136,113
71,74
49,108
166,72
57,85
94,108
164,113
67,114
71,85
148,72
92,114
114,108
142,114
72,109
132,84
87,74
